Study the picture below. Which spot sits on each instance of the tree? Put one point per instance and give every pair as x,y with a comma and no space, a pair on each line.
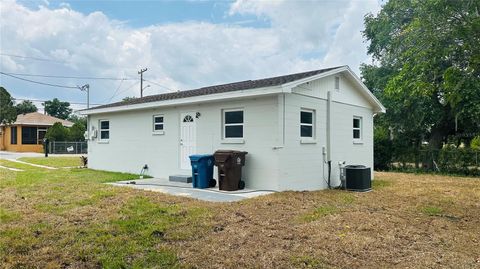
427,70
76,132
475,143
57,132
7,110
78,119
57,108
383,148
25,107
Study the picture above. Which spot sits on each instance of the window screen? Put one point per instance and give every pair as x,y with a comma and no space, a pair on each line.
306,123
158,123
104,129
29,135
357,128
233,124
13,135
41,135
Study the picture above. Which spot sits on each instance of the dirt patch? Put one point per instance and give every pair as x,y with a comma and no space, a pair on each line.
398,224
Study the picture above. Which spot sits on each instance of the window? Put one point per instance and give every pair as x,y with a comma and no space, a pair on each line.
337,83
104,129
29,135
13,135
188,118
233,124
41,135
357,128
158,123
307,118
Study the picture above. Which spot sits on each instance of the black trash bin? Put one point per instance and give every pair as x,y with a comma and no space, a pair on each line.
358,178
230,163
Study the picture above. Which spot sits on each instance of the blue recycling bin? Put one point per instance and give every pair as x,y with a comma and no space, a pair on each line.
202,171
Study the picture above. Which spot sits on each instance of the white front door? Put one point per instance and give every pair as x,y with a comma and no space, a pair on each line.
188,139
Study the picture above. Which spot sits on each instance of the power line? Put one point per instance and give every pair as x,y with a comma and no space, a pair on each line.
38,100
33,58
74,77
115,93
159,85
41,83
128,87
122,91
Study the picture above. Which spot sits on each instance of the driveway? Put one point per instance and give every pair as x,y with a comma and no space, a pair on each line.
17,155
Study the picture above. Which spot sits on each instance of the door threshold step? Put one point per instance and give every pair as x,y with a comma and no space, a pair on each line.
181,178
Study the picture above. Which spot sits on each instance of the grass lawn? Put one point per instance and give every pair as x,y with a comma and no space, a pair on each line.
67,218
54,161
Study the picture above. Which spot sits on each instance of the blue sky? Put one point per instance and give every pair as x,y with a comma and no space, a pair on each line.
146,13
184,44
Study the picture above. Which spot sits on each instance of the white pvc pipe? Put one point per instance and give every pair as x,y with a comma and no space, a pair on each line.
329,126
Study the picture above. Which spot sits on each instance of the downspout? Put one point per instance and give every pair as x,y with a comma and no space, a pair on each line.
329,137
281,122
283,118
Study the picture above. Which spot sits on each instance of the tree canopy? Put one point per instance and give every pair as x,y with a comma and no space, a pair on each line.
58,109
25,107
426,67
7,109
77,132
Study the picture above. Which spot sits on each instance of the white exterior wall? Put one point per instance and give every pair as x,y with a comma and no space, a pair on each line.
278,158
302,161
132,143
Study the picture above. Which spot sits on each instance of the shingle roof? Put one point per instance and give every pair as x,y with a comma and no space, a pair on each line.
36,118
235,86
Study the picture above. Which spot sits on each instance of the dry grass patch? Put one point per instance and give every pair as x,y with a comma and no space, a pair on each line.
380,229
68,218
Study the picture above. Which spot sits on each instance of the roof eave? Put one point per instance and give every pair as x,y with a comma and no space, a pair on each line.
188,100
378,107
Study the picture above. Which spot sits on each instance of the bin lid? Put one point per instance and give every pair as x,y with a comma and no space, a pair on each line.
197,157
355,166
224,151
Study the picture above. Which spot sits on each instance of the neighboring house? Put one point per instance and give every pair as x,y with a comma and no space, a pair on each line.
27,132
291,126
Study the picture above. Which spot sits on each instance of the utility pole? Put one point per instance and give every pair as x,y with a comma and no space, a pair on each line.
141,80
86,88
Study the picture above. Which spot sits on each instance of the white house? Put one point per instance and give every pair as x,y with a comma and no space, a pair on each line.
291,126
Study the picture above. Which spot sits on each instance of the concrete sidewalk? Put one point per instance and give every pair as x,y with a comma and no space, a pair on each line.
186,190
17,155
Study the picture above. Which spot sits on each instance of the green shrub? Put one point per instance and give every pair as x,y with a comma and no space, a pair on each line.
382,148
475,144
57,132
449,160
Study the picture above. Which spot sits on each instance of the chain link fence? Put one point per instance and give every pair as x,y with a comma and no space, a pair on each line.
65,147
449,161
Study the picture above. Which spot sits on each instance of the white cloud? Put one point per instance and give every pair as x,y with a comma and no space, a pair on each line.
302,36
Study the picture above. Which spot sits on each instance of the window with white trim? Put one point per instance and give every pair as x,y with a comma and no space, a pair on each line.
104,129
357,128
158,123
307,123
233,123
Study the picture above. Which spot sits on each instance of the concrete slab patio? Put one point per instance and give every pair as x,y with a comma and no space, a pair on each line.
186,190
